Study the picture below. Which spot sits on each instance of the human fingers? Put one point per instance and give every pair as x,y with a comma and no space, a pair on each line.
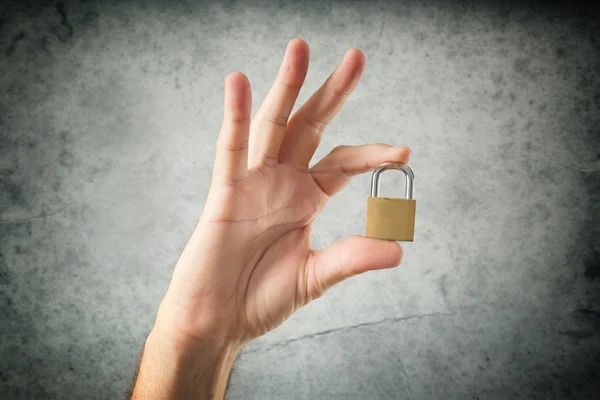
334,171
270,122
346,258
306,126
231,161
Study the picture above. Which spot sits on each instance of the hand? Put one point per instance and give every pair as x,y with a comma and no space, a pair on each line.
248,264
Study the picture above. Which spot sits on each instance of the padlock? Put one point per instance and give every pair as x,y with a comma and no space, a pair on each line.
391,218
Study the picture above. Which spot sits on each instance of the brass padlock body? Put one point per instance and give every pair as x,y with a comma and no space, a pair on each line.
391,219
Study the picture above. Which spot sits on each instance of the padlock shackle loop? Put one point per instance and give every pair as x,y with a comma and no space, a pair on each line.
410,177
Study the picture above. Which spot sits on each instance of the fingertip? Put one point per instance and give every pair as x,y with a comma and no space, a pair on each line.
359,54
298,43
238,94
356,56
353,67
297,57
237,79
398,153
400,256
395,253
407,151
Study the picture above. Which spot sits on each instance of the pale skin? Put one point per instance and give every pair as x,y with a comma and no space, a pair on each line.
249,265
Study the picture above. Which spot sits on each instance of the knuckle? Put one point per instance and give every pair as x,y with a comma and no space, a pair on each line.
238,181
317,124
269,161
239,120
280,120
341,95
314,287
290,86
233,147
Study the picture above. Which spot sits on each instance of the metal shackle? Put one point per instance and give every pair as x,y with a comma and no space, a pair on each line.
410,177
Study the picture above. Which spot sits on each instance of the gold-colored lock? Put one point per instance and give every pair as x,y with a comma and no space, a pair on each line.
391,218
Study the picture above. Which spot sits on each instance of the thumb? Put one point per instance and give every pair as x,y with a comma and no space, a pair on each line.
346,258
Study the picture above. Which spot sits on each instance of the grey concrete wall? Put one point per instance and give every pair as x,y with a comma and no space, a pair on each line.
109,114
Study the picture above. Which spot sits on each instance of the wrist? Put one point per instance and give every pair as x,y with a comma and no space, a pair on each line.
181,343
190,326
176,368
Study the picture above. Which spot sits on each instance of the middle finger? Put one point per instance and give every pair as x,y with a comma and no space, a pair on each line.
269,124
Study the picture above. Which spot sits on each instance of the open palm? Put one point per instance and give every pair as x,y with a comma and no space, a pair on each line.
249,264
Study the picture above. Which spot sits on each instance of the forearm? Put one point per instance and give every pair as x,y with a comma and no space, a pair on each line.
171,370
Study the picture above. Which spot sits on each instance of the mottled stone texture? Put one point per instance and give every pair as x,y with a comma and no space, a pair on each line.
109,114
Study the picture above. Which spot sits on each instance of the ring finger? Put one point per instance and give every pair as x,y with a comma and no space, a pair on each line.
269,124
